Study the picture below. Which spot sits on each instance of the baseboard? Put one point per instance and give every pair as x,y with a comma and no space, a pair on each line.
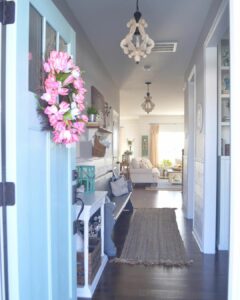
197,239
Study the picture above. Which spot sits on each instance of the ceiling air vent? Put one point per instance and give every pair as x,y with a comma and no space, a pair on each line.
165,47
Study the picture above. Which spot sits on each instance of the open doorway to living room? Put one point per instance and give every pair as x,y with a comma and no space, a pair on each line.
170,152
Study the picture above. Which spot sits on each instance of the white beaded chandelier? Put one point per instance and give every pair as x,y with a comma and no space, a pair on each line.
137,43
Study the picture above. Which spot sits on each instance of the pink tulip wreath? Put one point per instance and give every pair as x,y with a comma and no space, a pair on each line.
62,102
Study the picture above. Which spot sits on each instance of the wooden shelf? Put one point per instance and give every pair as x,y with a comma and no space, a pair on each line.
92,125
104,130
95,125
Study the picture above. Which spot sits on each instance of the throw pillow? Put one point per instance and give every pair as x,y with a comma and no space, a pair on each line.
144,164
135,164
149,163
130,186
119,187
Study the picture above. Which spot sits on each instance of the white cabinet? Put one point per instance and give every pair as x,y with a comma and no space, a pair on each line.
223,194
223,203
92,202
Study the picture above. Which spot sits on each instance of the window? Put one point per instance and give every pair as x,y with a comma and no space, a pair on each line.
35,51
170,145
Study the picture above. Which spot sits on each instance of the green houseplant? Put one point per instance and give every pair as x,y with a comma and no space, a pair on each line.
92,112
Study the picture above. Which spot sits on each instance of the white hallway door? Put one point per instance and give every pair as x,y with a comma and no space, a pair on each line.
40,239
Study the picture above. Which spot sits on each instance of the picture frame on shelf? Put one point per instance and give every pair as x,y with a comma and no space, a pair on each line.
225,55
98,102
225,83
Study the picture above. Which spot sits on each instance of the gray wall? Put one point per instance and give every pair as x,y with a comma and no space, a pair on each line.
94,71
94,74
198,59
136,128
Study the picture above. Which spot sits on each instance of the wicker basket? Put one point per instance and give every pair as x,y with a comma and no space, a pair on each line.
99,149
94,262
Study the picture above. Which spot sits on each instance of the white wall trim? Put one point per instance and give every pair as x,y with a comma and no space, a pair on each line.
71,240
234,253
192,73
191,98
11,146
49,213
197,239
210,151
218,18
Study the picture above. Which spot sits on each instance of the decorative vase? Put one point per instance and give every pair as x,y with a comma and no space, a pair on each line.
92,118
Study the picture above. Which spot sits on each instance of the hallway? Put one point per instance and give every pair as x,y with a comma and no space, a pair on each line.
206,279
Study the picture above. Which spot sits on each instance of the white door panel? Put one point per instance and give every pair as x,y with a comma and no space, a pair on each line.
40,225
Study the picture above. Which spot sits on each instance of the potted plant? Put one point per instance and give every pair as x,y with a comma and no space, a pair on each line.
164,165
92,113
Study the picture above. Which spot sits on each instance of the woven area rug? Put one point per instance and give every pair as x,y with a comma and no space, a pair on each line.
164,185
154,239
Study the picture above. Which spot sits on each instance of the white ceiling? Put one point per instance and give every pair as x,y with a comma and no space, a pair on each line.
104,22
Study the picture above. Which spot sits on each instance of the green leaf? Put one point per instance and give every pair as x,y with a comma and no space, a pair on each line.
62,76
67,116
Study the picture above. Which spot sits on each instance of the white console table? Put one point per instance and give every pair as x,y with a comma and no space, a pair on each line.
92,202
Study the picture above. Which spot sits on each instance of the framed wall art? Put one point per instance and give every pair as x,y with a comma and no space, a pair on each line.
144,145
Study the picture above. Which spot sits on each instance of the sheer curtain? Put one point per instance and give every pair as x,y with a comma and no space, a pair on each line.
154,132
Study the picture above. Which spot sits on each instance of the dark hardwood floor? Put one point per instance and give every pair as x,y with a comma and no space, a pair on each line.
206,279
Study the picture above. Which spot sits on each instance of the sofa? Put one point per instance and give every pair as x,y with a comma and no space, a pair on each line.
141,170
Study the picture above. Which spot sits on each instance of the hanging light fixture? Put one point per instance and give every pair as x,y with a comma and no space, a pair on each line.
148,105
137,43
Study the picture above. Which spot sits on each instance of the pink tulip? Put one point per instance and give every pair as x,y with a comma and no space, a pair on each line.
68,80
49,110
56,137
60,126
78,84
84,118
53,120
64,131
46,67
79,126
74,138
64,107
62,91
51,83
76,73
46,96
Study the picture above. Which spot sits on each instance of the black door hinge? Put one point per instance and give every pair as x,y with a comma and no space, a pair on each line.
7,12
7,191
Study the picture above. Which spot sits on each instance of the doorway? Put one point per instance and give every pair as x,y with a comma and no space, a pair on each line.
189,147
212,121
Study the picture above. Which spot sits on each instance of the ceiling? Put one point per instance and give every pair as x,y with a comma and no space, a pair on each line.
104,22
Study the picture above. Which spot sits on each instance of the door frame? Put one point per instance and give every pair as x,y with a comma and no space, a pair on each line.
4,283
191,98
216,32
234,252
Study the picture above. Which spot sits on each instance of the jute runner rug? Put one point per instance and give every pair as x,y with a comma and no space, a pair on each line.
154,239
